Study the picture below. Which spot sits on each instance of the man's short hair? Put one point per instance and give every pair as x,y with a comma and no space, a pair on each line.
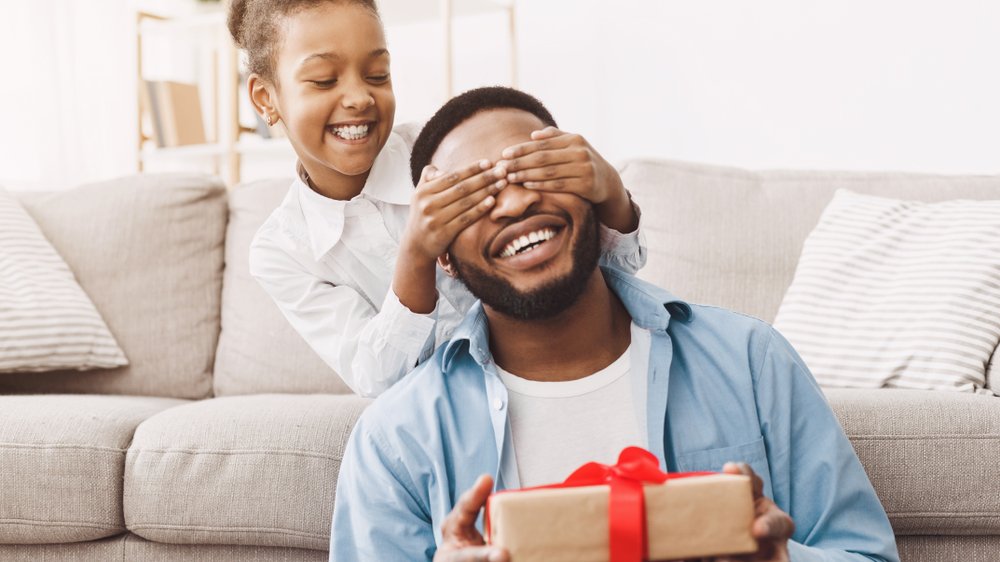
462,107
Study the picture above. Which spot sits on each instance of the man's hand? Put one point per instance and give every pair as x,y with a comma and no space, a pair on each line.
460,540
554,160
772,527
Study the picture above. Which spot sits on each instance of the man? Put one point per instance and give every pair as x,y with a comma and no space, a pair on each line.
563,362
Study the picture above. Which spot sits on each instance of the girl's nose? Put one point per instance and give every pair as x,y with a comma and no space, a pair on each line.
513,201
356,96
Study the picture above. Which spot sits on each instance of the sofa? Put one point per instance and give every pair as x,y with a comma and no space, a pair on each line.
222,438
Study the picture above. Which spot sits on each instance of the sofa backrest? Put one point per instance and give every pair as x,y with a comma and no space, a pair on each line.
732,237
259,351
147,249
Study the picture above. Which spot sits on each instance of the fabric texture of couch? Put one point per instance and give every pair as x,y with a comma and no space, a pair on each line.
223,438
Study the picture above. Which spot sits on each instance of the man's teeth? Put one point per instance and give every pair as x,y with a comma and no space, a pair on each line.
351,132
527,242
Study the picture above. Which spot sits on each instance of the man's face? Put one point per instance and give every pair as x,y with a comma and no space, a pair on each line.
531,256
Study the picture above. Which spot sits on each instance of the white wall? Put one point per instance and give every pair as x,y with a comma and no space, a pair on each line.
850,84
781,83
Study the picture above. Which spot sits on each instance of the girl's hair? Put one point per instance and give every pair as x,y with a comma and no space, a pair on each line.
254,25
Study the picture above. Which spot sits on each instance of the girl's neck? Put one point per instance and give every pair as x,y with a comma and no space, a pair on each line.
332,184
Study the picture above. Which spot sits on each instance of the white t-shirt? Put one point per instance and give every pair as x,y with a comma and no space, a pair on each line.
558,426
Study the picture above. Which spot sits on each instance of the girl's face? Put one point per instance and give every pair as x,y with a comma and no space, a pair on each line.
334,91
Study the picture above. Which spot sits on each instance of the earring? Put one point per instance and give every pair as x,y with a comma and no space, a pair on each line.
267,118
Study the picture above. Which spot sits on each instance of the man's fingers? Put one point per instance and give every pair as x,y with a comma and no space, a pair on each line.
773,525
744,469
461,522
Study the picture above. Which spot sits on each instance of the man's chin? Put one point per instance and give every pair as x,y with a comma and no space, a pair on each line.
541,296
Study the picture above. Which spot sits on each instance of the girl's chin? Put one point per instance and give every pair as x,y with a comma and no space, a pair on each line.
350,166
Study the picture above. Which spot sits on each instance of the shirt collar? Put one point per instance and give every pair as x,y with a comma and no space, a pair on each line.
651,308
389,182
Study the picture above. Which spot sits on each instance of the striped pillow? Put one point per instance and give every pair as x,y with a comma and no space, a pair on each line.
47,322
898,294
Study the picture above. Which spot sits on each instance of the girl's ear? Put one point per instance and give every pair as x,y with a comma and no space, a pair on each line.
444,260
263,99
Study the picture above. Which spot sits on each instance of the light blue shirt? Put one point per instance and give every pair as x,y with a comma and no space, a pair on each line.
720,386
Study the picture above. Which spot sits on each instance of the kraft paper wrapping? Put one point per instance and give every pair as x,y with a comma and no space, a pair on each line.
685,518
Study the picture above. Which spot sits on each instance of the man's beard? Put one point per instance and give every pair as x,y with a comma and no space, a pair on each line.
551,298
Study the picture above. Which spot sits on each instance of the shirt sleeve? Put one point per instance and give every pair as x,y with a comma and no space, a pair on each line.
369,348
377,514
816,476
624,251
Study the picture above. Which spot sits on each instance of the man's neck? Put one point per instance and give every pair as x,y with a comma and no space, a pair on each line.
578,342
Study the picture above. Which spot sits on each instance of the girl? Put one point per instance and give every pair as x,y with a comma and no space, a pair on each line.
350,254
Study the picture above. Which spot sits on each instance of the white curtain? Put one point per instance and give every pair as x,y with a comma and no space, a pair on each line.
68,94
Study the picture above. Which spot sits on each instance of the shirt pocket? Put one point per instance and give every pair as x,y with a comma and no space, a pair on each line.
711,460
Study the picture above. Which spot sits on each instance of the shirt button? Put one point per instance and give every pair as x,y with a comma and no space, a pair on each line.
498,404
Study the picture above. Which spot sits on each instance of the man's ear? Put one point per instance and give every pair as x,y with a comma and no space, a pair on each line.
263,98
444,260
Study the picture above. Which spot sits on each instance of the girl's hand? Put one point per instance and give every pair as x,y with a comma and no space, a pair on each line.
563,162
443,204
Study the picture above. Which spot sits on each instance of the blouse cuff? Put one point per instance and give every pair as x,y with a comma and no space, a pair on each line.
614,242
410,329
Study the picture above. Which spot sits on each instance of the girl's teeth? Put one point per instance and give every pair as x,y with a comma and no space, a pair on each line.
352,132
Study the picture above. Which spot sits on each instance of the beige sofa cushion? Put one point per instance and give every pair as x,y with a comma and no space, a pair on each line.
930,455
130,548
147,249
249,470
732,237
259,351
61,464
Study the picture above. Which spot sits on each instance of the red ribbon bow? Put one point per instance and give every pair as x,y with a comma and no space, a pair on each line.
626,504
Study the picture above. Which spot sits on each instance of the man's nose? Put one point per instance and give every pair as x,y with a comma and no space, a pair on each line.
513,201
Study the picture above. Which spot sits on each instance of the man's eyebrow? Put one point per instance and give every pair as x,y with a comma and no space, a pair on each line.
330,55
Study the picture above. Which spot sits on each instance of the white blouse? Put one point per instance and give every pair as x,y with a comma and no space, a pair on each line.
328,264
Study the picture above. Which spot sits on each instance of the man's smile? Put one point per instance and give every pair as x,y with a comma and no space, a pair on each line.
530,242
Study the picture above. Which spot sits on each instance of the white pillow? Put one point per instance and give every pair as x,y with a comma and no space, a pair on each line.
900,294
47,322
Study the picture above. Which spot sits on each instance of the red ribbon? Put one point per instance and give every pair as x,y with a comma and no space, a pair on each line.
626,504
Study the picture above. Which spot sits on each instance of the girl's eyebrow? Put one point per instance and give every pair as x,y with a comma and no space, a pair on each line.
330,55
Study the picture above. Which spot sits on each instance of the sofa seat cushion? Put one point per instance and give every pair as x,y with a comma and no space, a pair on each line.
931,456
62,459
247,470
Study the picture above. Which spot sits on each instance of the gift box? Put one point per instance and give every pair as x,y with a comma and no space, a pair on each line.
628,512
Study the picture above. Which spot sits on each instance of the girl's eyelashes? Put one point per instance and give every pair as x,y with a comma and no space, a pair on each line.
324,83
379,79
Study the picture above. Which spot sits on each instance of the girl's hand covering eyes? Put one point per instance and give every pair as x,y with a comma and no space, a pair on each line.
444,203
557,161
